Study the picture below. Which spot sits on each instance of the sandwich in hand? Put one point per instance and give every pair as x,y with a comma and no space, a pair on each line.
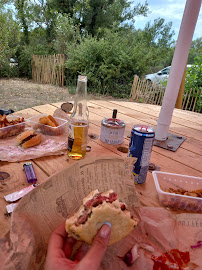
28,139
97,209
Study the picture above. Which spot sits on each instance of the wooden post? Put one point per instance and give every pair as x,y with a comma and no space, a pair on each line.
181,91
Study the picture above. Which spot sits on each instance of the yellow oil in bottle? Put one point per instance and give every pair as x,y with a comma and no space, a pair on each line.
77,139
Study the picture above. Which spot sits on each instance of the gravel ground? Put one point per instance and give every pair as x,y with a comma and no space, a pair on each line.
19,94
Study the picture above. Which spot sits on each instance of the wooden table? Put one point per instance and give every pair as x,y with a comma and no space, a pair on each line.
186,160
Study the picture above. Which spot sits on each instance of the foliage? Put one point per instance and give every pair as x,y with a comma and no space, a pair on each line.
9,37
24,54
110,63
9,71
194,81
4,47
93,15
195,50
66,33
158,39
98,37
194,74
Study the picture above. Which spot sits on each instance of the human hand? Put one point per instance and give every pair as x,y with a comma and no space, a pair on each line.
60,248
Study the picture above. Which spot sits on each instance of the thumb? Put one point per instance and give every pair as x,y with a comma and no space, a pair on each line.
94,256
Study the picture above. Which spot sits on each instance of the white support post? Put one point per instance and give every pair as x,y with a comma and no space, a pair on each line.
179,62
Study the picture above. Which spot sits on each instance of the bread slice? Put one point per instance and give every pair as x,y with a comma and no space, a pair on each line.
120,218
28,139
21,137
36,140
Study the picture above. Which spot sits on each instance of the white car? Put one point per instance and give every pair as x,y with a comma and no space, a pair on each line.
13,62
161,75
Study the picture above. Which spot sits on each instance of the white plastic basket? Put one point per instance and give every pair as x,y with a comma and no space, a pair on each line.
164,180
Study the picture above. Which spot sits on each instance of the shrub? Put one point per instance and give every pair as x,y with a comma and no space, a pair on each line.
109,63
194,81
24,54
9,71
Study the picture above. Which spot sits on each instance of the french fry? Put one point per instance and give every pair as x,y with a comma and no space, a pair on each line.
46,121
4,122
53,120
10,127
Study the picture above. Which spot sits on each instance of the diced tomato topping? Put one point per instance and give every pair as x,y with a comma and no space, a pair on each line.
123,207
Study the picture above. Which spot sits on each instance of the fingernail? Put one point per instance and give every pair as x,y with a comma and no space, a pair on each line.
105,230
108,223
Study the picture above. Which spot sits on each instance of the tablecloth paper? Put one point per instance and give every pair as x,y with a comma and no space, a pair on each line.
53,201
50,145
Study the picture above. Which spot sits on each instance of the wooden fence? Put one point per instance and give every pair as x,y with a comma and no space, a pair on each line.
48,69
150,93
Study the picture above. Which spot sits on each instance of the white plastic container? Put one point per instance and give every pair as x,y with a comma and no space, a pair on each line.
164,181
12,130
47,130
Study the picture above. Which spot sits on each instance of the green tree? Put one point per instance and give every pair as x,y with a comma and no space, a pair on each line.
64,26
110,62
194,81
9,41
92,15
100,14
4,47
158,38
21,6
195,50
34,14
66,33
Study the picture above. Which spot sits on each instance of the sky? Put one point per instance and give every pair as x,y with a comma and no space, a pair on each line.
170,10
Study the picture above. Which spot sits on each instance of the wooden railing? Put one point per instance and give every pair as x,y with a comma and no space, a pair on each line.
48,69
147,92
190,100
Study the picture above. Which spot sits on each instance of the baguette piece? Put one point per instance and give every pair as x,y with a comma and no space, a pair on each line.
97,209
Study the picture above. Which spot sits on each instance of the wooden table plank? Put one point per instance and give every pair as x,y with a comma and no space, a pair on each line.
183,156
46,109
54,164
149,119
132,119
152,110
192,119
189,144
26,112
